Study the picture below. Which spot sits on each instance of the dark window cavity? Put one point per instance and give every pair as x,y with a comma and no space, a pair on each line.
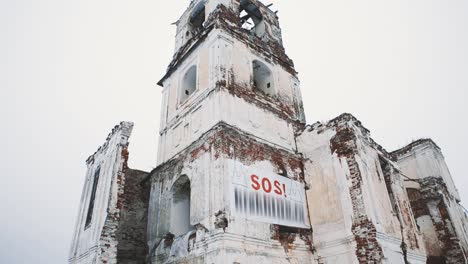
262,78
251,18
197,18
89,215
189,83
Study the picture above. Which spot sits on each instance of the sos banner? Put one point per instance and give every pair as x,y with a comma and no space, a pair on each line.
267,197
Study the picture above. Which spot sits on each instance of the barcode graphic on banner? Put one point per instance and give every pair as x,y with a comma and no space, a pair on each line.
262,206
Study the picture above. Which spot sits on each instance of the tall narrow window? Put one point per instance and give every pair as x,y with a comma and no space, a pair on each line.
189,83
89,216
262,78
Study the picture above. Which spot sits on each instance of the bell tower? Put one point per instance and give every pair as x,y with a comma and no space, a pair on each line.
229,184
229,66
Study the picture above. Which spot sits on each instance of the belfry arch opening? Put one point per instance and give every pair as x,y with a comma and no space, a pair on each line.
189,83
197,18
180,208
262,78
251,18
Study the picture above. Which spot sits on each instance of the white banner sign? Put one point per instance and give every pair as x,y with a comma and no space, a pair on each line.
267,197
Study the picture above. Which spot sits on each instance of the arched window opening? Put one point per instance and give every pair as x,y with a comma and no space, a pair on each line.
197,18
262,78
189,84
180,209
251,18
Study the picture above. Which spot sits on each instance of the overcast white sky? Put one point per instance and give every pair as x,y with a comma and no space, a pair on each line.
71,70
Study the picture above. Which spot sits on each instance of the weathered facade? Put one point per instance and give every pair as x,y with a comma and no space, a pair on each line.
237,116
435,201
111,223
241,178
368,218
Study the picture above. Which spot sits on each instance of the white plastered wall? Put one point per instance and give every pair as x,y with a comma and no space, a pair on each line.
330,204
427,160
182,124
244,241
86,241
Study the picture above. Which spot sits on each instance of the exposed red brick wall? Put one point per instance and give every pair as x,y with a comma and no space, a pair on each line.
434,192
368,250
123,238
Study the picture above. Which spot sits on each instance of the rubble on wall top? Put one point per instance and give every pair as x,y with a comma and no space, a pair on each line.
124,126
347,117
413,146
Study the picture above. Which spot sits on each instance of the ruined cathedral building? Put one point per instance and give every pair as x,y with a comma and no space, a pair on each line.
241,178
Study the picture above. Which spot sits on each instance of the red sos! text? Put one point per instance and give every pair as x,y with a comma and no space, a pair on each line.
267,185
